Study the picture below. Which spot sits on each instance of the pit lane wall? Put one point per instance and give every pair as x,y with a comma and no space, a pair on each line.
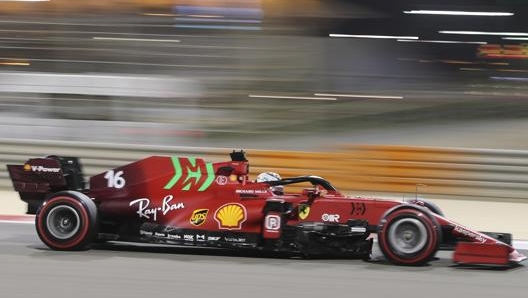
481,188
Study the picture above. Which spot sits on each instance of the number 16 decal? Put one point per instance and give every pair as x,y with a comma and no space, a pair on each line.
114,179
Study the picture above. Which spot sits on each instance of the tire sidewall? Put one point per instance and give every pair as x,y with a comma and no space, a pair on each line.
432,207
85,210
420,257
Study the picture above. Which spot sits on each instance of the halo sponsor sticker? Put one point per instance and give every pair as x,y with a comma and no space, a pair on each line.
221,180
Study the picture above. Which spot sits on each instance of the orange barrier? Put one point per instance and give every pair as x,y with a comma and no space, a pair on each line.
354,169
404,169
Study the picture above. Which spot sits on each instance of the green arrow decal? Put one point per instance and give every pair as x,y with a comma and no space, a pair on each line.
191,174
177,173
196,175
210,177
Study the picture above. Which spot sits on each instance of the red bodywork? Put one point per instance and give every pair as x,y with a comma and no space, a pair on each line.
191,194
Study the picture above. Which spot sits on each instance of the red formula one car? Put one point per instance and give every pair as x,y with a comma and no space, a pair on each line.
188,201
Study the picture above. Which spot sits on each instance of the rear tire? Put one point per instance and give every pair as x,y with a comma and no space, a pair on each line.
409,236
67,221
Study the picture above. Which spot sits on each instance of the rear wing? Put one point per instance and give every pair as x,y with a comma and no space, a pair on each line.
38,177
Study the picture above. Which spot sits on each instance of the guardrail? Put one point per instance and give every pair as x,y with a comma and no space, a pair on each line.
354,169
99,84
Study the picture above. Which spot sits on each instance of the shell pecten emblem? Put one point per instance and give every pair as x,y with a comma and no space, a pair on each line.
230,216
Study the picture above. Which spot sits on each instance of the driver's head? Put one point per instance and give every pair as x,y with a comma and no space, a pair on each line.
271,176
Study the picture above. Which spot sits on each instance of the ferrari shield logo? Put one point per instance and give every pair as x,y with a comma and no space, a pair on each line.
304,210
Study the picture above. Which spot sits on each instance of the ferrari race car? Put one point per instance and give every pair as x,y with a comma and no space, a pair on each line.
188,201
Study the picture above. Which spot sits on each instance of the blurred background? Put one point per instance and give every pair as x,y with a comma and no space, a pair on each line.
404,97
270,74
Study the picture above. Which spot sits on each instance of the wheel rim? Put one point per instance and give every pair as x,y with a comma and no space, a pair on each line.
63,222
407,236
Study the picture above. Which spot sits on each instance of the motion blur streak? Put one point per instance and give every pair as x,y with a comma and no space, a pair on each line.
291,97
510,79
472,69
515,38
359,96
11,63
308,72
135,39
484,33
460,13
443,41
373,36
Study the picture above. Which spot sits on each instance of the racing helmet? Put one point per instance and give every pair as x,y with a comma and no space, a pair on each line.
271,176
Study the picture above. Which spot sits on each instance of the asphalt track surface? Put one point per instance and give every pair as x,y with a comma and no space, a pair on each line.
29,269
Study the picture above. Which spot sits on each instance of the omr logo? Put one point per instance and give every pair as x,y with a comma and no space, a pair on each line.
191,171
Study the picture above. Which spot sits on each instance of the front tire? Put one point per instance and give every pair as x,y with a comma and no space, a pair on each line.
67,221
433,207
409,236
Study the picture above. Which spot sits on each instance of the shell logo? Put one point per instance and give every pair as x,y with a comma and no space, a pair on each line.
230,216
27,167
